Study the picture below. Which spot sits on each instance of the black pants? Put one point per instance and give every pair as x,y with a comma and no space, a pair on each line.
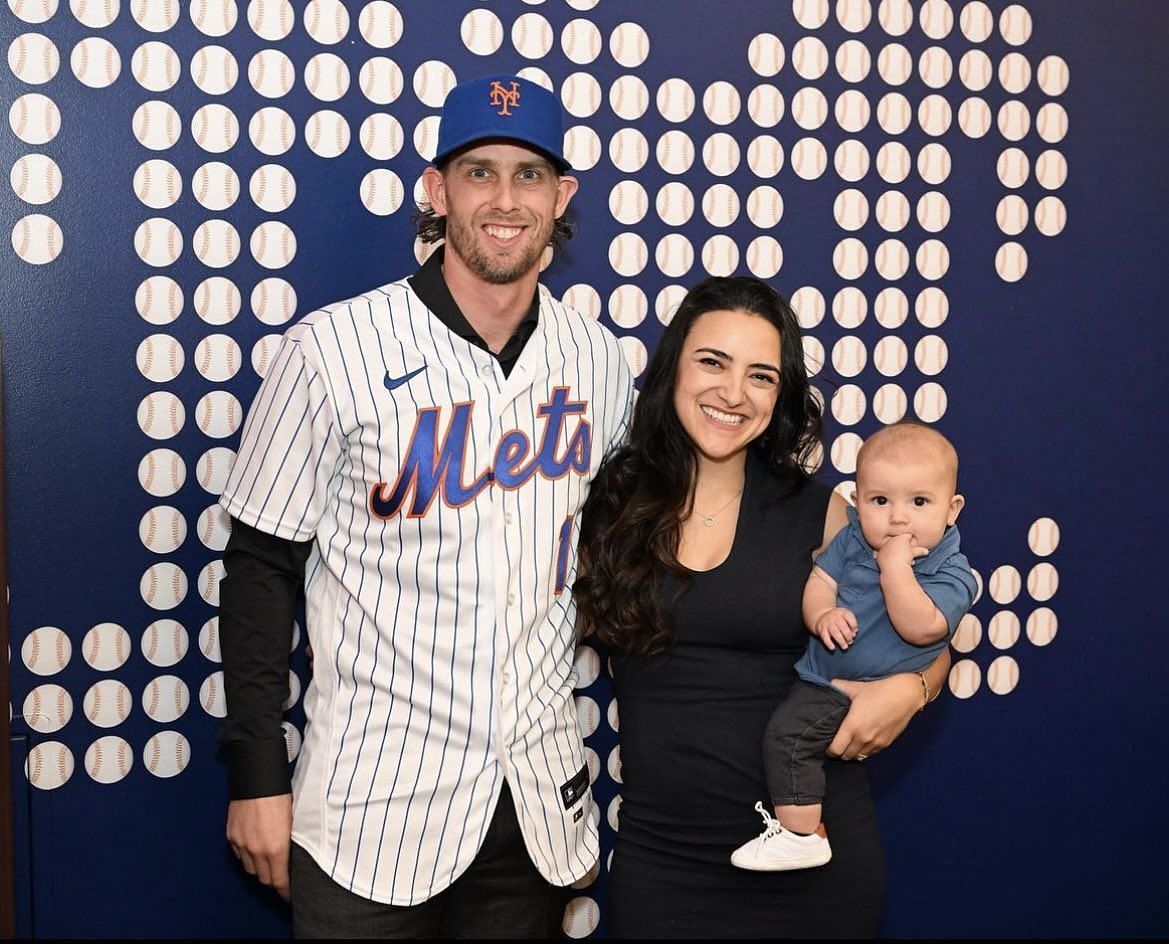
501,895
794,744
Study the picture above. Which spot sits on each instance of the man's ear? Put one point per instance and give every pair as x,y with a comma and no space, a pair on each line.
434,184
566,189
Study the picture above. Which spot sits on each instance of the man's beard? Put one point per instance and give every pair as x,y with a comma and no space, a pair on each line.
462,238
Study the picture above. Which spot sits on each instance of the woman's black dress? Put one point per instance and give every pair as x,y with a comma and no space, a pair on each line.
691,733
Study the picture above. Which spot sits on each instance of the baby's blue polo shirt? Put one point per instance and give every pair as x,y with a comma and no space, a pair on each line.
878,651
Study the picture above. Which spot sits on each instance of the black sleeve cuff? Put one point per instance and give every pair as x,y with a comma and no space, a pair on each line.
257,768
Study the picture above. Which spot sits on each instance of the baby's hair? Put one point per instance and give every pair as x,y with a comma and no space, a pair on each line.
906,441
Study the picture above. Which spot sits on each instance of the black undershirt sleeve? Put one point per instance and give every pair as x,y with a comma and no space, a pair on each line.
257,599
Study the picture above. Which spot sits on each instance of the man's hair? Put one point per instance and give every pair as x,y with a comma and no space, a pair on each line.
908,441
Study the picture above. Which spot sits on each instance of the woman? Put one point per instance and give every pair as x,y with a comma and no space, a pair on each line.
697,539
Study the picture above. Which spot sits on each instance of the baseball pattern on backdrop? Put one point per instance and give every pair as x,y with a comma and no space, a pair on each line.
239,111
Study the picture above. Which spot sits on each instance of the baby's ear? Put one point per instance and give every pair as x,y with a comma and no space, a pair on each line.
852,497
956,505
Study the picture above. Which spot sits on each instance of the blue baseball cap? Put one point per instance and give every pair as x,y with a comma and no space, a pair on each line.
502,106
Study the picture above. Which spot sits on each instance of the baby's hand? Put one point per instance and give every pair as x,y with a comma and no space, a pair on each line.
836,627
899,551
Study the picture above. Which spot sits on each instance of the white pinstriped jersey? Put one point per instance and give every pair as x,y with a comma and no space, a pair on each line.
443,500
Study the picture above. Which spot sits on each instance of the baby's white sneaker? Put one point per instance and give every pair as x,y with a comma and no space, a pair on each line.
778,850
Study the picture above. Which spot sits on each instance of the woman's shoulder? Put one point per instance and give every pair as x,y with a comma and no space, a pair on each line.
790,484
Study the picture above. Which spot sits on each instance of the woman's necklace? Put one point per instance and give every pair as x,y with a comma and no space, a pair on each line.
708,520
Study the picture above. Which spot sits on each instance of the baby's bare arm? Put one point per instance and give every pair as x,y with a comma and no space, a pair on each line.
819,597
911,611
833,625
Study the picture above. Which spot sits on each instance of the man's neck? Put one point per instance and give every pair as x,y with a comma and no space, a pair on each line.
494,311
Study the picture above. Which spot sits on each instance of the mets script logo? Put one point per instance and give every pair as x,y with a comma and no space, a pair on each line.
432,468
505,98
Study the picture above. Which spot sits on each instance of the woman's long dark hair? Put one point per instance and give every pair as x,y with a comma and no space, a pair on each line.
632,521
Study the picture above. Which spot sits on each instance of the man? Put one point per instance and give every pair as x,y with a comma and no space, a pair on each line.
426,449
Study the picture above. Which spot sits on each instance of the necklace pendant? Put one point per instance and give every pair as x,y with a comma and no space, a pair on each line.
708,520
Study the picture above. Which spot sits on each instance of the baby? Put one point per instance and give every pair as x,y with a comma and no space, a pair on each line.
884,597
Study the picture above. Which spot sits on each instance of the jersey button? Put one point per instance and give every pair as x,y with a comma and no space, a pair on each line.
507,517
511,599
487,370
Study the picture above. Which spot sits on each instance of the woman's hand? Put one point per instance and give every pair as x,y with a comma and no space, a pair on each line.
880,711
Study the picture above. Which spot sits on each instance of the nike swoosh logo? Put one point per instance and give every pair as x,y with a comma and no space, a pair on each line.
393,383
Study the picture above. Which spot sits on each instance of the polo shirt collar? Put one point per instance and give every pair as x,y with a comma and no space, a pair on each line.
946,548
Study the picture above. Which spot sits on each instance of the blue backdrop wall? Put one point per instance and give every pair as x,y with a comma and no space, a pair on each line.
966,202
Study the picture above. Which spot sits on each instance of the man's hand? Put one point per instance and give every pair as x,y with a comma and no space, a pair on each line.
836,627
260,833
898,552
880,711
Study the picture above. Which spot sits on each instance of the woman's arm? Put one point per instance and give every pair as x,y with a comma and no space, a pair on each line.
835,518
881,709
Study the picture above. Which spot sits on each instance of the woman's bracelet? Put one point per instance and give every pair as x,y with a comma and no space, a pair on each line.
926,694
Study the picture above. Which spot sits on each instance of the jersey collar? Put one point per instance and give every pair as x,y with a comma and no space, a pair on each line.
431,288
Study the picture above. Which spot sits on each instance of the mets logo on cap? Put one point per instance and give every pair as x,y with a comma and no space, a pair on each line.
502,106
505,98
